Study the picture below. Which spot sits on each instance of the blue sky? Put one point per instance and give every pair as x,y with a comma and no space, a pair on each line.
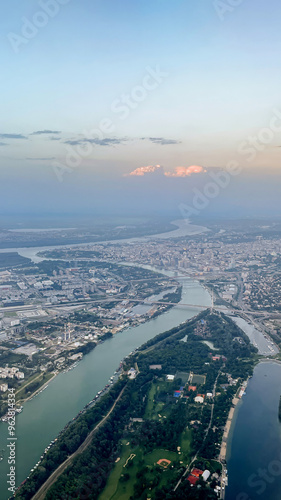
221,85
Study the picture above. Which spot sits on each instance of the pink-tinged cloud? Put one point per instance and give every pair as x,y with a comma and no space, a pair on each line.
185,171
177,172
150,169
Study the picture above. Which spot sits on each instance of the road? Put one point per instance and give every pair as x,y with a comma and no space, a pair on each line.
41,493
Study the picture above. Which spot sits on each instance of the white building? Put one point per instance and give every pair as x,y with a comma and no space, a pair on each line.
206,474
132,373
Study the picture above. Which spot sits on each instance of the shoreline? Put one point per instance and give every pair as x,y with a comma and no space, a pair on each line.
224,450
41,388
227,427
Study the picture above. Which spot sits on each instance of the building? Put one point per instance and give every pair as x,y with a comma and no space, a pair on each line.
206,474
196,472
192,479
192,388
3,387
194,476
132,373
177,394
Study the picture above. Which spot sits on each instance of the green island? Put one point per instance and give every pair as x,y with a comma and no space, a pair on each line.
159,432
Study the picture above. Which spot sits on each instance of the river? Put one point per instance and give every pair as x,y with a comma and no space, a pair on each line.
254,447
183,228
44,416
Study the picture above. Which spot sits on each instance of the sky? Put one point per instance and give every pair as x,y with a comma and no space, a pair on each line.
128,106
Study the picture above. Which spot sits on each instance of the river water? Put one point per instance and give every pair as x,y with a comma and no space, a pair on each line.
44,416
254,449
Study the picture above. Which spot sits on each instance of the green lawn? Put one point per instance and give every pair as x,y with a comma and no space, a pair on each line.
22,394
198,379
115,489
153,457
154,407
185,442
118,490
149,411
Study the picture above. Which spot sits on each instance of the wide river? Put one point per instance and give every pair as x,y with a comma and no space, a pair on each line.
44,416
254,449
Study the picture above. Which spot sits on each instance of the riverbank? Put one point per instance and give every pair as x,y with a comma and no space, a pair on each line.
35,393
256,438
239,394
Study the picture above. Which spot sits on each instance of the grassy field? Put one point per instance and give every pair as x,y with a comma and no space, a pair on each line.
22,394
118,490
198,379
149,411
123,477
185,444
115,489
155,407
153,457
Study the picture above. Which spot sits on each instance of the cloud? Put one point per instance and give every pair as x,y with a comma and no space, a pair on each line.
41,132
74,142
12,136
3,144
185,171
161,140
141,171
177,172
107,141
